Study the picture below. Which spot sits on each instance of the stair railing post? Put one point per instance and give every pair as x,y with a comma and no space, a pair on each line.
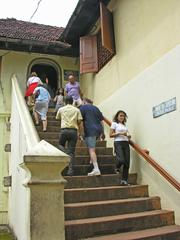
46,194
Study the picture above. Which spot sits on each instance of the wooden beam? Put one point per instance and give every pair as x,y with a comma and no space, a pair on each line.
35,42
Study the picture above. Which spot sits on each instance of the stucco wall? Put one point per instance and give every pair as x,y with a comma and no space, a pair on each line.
144,73
18,63
3,169
144,31
158,83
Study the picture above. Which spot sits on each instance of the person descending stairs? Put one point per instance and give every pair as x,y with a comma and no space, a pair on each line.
98,208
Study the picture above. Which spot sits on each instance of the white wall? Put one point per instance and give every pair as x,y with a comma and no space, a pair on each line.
145,30
158,83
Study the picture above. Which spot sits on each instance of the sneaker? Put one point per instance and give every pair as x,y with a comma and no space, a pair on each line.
124,183
94,173
70,174
117,171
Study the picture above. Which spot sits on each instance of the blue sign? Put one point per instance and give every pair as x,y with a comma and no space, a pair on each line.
164,107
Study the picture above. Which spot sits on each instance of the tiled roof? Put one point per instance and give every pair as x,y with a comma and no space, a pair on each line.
16,29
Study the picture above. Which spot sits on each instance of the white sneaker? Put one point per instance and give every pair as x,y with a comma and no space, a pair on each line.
94,173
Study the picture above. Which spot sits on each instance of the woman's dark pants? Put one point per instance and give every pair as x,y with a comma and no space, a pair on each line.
122,152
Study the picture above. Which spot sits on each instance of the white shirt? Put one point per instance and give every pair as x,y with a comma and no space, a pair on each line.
118,128
33,80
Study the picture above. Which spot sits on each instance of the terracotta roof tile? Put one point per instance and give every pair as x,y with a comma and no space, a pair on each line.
16,29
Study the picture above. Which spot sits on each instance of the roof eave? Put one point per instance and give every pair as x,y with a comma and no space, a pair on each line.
82,20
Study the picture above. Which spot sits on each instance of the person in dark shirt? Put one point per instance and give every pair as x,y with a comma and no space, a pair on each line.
93,128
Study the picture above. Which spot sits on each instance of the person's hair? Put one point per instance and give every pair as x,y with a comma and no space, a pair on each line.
71,74
68,100
41,84
87,100
115,119
33,74
57,92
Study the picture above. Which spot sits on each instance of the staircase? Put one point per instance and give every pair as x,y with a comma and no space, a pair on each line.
98,208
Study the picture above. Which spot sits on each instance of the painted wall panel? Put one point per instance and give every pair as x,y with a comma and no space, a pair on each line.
144,31
160,136
18,63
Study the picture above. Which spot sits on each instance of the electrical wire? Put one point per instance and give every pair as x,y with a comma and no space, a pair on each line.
35,10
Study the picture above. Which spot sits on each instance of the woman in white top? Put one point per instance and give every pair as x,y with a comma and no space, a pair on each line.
32,83
121,136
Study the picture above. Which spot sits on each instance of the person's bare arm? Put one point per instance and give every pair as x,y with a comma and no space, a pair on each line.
80,93
55,99
114,134
81,130
65,93
102,136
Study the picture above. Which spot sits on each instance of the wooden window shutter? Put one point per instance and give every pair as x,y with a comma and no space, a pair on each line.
88,54
107,28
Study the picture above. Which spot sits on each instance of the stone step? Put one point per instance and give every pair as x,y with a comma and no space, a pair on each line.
76,195
50,128
89,227
112,207
99,151
79,150
51,113
102,181
49,135
102,159
80,170
51,117
171,232
54,123
55,142
50,110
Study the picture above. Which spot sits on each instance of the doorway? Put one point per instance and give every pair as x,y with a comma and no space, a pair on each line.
47,69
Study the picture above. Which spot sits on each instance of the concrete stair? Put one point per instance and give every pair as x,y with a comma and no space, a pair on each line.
98,208
81,228
159,233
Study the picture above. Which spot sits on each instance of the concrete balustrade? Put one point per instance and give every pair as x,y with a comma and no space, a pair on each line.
36,195
46,191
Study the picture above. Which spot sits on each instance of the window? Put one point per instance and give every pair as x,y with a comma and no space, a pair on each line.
88,54
97,50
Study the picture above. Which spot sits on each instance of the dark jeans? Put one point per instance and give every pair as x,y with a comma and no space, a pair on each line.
67,143
122,152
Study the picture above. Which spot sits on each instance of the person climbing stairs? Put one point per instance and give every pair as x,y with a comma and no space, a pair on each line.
98,208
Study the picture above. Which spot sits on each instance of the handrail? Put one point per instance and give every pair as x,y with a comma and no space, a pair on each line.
145,154
26,120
